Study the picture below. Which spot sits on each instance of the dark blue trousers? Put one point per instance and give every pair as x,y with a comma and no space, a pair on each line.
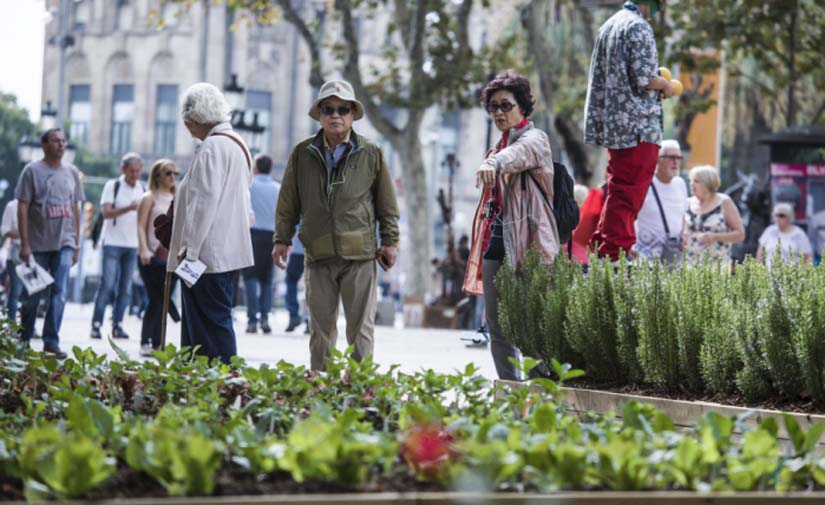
207,316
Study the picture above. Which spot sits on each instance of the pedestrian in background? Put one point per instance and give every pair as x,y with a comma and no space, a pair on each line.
624,114
10,231
791,241
153,255
660,224
49,194
712,222
338,186
263,196
514,212
119,203
211,222
294,271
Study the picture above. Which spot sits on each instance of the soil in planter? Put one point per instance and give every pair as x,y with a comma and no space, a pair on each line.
805,406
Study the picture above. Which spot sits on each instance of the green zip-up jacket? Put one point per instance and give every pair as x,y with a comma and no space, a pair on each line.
338,214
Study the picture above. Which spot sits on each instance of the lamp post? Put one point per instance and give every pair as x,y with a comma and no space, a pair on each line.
249,132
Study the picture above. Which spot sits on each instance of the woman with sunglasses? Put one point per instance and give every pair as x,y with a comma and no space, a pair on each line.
788,238
514,213
152,254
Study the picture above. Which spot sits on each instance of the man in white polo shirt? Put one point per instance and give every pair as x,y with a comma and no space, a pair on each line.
119,204
659,223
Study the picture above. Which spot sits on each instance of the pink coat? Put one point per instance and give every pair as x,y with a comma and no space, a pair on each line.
527,218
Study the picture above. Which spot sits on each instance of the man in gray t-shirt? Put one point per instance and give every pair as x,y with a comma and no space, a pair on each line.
48,214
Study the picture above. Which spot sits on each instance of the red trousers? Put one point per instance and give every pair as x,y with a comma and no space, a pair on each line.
629,174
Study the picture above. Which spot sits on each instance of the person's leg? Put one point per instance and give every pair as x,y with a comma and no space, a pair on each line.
15,288
251,286
265,305
294,269
501,348
152,275
127,259
106,288
629,174
323,293
208,309
60,264
358,295
28,308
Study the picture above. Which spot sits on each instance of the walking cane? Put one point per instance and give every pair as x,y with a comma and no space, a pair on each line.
166,281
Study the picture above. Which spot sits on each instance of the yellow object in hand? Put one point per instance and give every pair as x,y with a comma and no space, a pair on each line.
664,72
677,87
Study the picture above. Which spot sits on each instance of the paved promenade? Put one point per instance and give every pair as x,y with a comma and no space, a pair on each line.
413,349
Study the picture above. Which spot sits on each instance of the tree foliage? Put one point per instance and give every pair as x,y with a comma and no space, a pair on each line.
14,123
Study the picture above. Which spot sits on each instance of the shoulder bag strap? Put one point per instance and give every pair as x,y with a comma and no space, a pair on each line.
114,199
661,210
235,140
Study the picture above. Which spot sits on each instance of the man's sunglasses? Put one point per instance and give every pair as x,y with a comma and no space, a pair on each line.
342,110
503,106
780,215
672,157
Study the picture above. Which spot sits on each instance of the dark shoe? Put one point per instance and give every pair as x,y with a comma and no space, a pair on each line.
55,351
117,332
95,332
266,329
293,323
252,328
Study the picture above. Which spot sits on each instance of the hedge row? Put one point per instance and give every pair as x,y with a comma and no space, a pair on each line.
700,330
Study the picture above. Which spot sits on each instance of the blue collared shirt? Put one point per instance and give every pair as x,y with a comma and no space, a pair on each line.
263,196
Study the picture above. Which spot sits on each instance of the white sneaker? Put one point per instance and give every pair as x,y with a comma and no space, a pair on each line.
146,350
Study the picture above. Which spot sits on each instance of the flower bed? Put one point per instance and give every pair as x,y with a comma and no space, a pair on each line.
698,331
92,428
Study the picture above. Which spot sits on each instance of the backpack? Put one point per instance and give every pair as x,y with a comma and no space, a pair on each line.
565,208
97,227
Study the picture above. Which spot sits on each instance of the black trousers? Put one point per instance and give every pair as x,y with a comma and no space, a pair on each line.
153,275
207,316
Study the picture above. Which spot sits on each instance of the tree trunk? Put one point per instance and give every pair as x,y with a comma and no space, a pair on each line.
416,252
791,117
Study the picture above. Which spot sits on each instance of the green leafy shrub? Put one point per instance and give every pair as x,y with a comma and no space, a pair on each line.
658,341
521,304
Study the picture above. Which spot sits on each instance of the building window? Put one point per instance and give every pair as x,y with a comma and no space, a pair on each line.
81,15
123,15
123,113
260,102
166,118
80,112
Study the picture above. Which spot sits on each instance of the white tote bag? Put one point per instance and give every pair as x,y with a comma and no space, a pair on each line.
34,277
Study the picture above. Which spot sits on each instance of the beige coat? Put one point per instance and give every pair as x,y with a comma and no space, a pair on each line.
527,219
212,207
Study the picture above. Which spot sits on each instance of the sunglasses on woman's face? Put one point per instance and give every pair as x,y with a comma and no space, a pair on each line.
342,110
170,172
504,106
780,215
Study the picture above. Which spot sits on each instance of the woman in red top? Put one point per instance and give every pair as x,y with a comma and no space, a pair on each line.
513,213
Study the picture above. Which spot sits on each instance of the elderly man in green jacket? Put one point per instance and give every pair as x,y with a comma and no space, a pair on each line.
338,187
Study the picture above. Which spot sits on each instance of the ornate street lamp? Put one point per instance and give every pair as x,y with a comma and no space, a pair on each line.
235,95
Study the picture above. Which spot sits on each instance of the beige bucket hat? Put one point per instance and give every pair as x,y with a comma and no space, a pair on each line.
341,89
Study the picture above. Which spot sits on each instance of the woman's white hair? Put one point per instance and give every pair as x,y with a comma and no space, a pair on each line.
204,104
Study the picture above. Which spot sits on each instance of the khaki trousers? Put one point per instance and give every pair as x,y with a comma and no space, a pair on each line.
354,284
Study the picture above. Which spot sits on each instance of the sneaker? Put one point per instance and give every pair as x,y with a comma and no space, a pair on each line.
55,351
146,350
293,323
96,332
252,328
266,329
117,332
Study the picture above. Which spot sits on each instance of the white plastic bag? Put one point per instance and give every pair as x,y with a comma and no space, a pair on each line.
34,277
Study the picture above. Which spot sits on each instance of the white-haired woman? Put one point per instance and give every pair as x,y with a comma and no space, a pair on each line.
790,239
211,222
712,222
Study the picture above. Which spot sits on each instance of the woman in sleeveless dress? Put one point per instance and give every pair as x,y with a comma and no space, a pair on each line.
152,254
712,222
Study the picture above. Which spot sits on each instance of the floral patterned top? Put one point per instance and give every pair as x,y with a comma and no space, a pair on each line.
709,222
619,111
